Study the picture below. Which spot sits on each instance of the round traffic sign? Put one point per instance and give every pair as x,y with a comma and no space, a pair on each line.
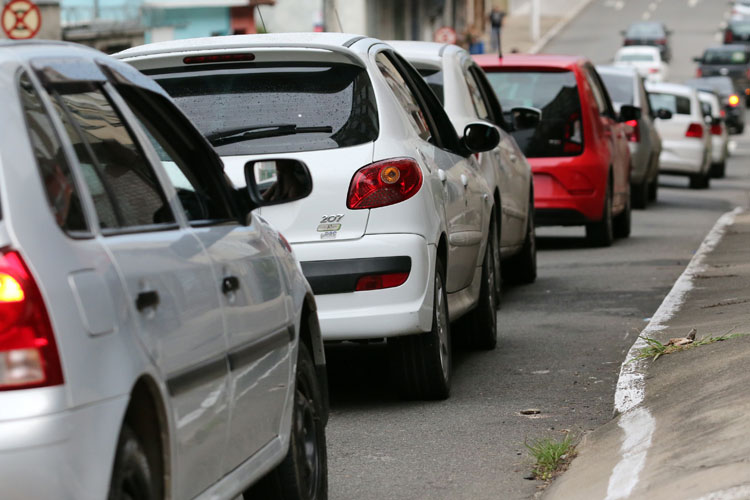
446,34
21,19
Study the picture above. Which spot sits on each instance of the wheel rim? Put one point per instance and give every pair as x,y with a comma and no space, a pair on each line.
306,430
441,324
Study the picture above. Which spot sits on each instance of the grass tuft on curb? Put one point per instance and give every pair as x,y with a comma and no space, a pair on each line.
551,456
656,349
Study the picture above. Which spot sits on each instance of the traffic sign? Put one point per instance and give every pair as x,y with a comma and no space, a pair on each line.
21,19
446,34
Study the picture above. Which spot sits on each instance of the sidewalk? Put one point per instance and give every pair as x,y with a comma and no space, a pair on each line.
685,434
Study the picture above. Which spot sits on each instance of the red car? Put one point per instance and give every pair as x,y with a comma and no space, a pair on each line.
578,150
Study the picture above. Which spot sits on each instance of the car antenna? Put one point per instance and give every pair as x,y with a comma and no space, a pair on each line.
257,7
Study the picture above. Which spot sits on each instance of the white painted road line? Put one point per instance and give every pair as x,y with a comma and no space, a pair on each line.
638,426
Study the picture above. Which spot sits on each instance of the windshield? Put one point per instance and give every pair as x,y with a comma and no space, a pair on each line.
724,57
278,109
677,104
560,133
649,30
620,87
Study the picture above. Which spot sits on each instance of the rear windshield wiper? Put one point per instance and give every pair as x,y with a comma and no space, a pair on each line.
231,136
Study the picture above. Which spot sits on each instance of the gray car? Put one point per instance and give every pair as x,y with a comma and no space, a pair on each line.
625,86
157,339
727,60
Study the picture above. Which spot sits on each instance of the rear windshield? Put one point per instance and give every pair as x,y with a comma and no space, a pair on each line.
725,57
620,88
645,30
722,85
740,27
636,57
677,104
434,79
560,132
277,109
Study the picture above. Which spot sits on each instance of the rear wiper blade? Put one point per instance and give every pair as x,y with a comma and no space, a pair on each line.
262,131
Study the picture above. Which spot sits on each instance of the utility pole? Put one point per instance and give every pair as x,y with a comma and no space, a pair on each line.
535,19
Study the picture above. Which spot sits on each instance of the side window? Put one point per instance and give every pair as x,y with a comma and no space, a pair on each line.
123,186
600,95
493,104
404,95
476,96
202,194
59,185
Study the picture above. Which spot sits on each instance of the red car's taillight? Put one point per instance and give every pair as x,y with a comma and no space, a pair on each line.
384,183
695,130
717,129
728,36
381,281
635,132
699,73
28,353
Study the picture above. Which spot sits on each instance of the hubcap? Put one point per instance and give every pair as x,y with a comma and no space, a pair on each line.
441,322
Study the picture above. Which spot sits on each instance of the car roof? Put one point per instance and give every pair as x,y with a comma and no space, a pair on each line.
636,49
233,42
492,61
670,88
30,49
423,49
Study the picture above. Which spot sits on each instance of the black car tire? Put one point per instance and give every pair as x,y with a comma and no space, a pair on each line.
303,474
653,190
131,474
718,170
623,222
421,364
601,233
639,194
521,268
478,329
700,181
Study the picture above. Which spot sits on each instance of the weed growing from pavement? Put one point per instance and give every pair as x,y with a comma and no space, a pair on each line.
656,349
551,456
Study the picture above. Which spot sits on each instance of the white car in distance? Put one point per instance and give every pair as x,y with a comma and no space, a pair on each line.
645,59
686,138
397,236
718,130
467,97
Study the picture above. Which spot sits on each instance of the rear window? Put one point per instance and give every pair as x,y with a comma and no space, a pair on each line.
434,79
620,88
725,57
277,109
636,57
721,85
740,27
677,104
560,132
645,31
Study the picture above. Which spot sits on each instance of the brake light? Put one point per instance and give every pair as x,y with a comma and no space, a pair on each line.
28,353
699,73
728,36
635,133
384,183
734,100
653,70
661,41
695,130
380,281
218,58
717,129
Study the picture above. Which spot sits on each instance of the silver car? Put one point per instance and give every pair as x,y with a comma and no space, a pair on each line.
625,87
157,340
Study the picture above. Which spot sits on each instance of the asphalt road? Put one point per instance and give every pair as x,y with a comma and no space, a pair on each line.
562,339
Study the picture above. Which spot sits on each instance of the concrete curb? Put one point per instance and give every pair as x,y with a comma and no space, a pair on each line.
557,28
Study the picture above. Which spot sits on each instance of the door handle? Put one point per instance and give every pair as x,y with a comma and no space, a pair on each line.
230,284
441,175
146,300
464,180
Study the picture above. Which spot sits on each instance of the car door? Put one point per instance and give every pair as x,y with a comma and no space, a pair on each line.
516,179
256,304
171,287
462,192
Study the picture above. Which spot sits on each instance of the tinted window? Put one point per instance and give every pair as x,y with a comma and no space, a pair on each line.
677,104
560,132
476,96
645,30
404,95
724,57
59,185
722,85
620,87
434,79
740,27
271,109
124,188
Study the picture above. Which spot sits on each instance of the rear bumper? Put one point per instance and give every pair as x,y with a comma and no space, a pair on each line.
391,312
682,157
718,148
65,455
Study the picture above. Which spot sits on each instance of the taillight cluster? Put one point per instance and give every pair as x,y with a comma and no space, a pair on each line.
635,132
717,129
695,130
728,36
384,183
28,353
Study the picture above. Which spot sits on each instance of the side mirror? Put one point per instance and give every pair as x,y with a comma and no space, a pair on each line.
663,114
480,137
524,118
272,182
628,113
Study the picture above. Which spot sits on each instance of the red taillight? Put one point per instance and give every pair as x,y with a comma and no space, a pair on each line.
218,58
734,100
717,129
661,41
380,281
695,130
635,133
384,183
728,36
653,70
28,353
699,73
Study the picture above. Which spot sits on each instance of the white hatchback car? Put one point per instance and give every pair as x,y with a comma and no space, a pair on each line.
719,133
395,238
645,59
467,97
686,138
157,340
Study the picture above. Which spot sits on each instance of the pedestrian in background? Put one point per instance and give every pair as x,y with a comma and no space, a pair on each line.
496,18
